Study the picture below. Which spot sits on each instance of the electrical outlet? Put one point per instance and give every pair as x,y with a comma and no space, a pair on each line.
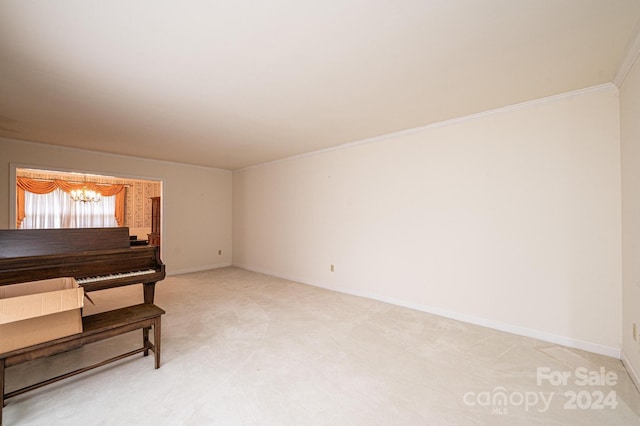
332,269
635,332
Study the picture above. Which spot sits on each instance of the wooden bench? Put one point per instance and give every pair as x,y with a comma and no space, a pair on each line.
94,328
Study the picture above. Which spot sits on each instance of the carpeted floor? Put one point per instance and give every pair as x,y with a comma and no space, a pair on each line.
240,348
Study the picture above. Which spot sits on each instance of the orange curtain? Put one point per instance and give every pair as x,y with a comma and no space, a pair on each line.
44,187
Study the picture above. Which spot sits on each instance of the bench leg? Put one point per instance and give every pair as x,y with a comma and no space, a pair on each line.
156,341
145,341
149,292
1,388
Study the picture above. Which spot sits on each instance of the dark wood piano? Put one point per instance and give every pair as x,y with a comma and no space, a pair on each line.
98,258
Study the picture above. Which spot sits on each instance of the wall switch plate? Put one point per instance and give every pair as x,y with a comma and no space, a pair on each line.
635,332
332,269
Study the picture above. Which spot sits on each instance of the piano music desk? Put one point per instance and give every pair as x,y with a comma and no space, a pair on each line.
95,328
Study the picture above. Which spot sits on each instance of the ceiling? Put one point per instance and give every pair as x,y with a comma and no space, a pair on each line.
231,84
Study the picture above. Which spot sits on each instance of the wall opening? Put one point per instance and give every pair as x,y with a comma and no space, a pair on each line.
139,214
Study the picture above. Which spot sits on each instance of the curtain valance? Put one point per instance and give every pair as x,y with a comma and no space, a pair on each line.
44,187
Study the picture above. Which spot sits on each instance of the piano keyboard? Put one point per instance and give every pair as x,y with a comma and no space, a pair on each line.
114,276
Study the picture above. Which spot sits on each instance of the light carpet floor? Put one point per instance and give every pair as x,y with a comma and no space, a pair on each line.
241,348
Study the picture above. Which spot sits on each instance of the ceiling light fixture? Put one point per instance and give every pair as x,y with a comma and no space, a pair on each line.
85,195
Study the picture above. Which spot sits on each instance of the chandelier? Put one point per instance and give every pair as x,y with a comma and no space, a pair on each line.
85,195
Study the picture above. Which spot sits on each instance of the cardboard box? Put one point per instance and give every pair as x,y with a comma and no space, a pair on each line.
39,311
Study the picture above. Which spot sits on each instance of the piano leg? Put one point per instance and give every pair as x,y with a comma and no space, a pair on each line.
149,290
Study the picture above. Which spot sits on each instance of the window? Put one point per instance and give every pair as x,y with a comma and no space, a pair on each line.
57,210
48,204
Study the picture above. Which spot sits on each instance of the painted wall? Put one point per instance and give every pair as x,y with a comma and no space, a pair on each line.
509,219
630,148
197,201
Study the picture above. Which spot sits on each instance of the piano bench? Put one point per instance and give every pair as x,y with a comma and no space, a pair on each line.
94,328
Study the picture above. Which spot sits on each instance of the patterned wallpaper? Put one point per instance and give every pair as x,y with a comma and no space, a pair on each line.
137,208
138,203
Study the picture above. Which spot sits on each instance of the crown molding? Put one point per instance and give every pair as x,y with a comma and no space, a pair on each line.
449,122
633,52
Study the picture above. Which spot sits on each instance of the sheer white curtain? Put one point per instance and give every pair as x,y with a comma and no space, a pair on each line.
57,210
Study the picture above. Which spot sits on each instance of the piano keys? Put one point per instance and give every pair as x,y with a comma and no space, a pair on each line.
98,258
97,278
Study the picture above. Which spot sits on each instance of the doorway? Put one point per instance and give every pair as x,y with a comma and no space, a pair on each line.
137,200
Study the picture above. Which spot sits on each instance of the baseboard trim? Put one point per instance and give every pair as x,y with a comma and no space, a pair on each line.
197,269
501,326
635,378
596,348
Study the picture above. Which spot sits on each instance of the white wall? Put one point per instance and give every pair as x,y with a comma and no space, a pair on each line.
630,148
509,219
196,214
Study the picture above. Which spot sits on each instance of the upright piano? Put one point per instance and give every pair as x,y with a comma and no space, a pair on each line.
98,258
